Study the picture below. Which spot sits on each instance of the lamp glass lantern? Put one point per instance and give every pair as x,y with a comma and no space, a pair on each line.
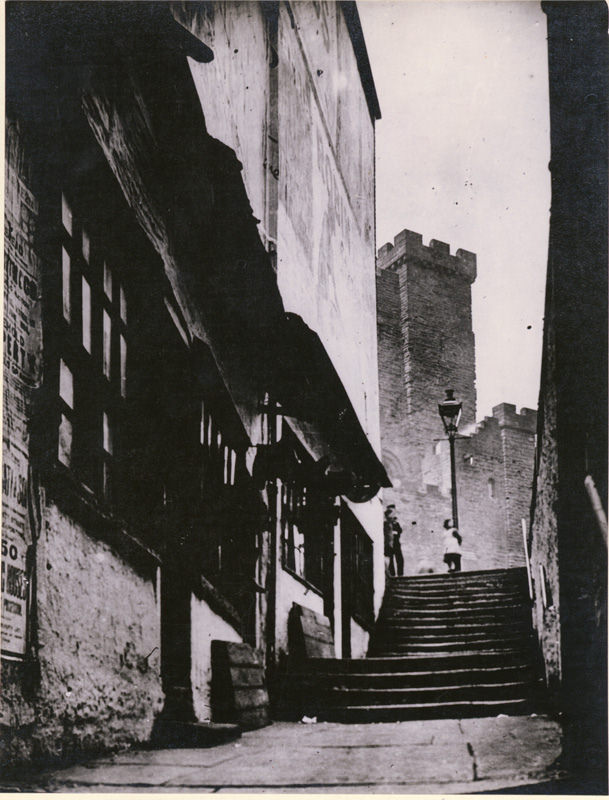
450,412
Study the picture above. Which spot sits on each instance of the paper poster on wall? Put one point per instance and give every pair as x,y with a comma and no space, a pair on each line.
21,375
14,595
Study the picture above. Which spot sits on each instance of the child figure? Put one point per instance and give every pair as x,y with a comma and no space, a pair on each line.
452,546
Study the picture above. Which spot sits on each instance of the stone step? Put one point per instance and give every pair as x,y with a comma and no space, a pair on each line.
407,647
443,646
452,587
454,710
455,584
440,646
335,697
468,640
442,604
422,615
511,573
523,673
445,635
491,657
399,627
433,639
454,591
403,627
462,576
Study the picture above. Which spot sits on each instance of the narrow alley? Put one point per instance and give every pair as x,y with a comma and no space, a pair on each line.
269,521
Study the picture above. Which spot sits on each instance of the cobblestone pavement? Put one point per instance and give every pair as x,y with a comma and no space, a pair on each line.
429,757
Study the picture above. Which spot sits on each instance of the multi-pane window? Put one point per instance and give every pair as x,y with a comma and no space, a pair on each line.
271,421
293,513
66,397
219,458
93,351
223,473
66,284
357,568
363,579
307,530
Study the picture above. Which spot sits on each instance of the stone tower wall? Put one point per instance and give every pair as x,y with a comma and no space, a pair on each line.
426,345
436,341
391,363
518,441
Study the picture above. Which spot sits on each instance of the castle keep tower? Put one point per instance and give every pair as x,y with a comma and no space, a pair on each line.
426,345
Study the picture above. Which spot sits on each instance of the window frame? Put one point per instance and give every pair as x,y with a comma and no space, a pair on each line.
77,313
303,553
360,569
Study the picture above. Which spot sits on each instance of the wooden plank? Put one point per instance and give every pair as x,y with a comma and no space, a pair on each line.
250,698
315,624
238,686
311,634
253,718
317,632
242,654
317,649
314,618
247,676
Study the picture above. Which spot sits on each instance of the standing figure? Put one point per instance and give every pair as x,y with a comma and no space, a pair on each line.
393,549
452,546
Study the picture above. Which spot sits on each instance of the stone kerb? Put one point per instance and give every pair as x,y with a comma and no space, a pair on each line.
409,245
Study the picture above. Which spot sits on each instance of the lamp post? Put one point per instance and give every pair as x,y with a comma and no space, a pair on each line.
450,413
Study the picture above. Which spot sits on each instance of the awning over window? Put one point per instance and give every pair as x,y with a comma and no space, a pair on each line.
197,213
316,406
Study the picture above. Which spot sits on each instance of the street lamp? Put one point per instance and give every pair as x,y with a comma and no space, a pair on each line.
450,413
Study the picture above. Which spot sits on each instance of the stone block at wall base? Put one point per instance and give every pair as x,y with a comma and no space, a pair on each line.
176,733
238,688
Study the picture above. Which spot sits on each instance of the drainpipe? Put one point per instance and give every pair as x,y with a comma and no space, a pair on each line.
597,506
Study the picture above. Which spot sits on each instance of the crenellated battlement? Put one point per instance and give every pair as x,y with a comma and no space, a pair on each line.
408,245
507,417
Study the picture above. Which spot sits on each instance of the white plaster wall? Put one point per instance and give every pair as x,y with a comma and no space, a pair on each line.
290,590
359,640
99,634
325,254
205,626
233,88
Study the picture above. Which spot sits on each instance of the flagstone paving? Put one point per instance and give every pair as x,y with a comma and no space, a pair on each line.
432,756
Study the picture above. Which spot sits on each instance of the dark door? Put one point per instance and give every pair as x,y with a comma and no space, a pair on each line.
175,643
164,469
346,561
179,468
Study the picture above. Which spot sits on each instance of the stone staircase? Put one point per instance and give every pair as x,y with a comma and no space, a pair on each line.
447,646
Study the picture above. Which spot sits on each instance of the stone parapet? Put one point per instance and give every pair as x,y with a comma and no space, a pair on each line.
409,245
507,417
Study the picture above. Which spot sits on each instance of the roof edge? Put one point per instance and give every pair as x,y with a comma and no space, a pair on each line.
354,26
